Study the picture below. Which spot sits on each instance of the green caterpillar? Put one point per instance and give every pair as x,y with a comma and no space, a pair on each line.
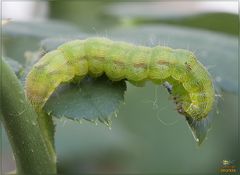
191,85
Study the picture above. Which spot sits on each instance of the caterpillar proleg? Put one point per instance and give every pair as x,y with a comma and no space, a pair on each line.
191,85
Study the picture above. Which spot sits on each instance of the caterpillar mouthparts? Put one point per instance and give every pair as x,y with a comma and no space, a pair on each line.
185,78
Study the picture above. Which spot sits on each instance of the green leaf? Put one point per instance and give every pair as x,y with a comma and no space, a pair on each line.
91,99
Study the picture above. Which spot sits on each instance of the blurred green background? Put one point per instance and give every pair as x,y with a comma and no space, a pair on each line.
148,136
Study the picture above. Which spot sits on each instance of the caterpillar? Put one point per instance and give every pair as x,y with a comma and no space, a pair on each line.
185,77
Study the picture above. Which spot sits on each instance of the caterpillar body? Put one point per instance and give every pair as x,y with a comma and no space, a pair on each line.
191,85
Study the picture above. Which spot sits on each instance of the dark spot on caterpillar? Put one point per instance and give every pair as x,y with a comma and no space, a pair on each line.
119,63
162,62
101,58
188,66
140,65
168,87
176,98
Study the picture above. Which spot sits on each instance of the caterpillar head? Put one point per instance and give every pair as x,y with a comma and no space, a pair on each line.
191,86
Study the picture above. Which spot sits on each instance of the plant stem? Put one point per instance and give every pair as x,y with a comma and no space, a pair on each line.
31,149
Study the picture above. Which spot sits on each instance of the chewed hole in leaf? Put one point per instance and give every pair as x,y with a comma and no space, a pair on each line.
91,99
